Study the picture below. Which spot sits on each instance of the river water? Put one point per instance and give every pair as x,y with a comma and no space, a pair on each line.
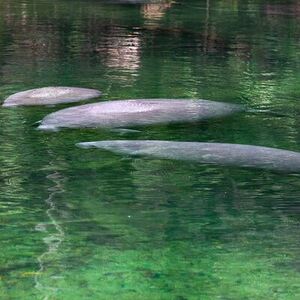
90,224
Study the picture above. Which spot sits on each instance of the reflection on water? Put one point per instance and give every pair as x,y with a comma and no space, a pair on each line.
289,9
52,241
154,12
126,42
123,228
120,50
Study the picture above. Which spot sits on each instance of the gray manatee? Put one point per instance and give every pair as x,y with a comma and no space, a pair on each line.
51,95
126,113
136,1
207,153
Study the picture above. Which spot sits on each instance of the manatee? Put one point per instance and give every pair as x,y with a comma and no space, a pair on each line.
135,112
50,96
207,153
136,1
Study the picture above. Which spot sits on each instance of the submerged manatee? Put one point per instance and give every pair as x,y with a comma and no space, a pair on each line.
136,1
126,113
51,95
208,153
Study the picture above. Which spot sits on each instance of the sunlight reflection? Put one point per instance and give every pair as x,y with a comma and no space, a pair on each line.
52,241
155,11
123,52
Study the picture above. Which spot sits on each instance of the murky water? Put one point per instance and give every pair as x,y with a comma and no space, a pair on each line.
89,224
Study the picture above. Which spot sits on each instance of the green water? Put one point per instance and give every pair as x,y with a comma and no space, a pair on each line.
88,224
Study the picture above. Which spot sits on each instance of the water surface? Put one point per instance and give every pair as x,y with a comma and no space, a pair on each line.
89,224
